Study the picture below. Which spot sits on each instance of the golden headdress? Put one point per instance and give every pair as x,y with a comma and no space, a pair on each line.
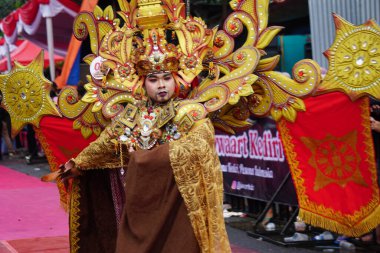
155,35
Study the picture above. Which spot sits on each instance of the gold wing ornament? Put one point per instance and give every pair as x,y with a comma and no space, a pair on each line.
236,83
242,82
153,36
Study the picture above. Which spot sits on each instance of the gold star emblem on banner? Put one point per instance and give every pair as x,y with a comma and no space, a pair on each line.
26,95
354,60
335,159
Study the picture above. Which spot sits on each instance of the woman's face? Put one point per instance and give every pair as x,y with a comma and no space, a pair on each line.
160,86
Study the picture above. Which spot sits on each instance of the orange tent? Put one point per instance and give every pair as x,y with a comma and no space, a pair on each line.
25,53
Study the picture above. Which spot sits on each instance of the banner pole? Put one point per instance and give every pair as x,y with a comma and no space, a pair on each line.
289,222
269,204
50,40
8,54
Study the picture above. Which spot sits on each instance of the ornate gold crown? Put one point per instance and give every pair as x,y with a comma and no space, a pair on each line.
140,46
150,14
157,55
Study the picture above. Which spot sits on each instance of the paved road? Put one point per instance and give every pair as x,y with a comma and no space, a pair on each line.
238,237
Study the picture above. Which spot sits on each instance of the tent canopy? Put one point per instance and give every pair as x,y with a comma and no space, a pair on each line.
29,22
25,53
12,47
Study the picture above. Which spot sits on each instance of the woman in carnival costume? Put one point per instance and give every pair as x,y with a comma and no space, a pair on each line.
174,185
159,126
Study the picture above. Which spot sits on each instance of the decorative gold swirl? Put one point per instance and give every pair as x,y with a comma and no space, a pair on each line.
87,123
215,97
262,97
113,107
84,25
69,104
224,43
280,94
232,118
239,81
195,110
307,74
103,122
234,26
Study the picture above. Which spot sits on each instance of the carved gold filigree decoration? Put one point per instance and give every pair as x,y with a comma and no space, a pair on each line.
236,82
26,94
254,88
240,82
354,60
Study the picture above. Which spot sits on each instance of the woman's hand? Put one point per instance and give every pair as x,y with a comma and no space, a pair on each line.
68,170
375,125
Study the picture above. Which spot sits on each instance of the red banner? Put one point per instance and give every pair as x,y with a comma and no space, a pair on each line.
60,142
331,156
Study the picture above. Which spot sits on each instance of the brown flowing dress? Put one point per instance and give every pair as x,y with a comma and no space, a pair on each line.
173,196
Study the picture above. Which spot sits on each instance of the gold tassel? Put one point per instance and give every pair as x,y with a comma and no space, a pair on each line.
121,155
116,147
356,230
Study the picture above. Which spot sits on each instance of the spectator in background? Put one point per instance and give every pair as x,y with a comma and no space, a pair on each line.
80,88
54,92
375,126
5,122
32,145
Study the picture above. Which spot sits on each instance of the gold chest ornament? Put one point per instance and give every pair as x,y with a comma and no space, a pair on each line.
147,126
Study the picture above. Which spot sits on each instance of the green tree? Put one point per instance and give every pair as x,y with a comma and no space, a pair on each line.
7,6
18,3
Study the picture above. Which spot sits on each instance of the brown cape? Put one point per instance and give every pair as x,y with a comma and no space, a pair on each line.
155,217
93,221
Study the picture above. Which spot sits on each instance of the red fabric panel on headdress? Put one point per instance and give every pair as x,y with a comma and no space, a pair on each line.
60,142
